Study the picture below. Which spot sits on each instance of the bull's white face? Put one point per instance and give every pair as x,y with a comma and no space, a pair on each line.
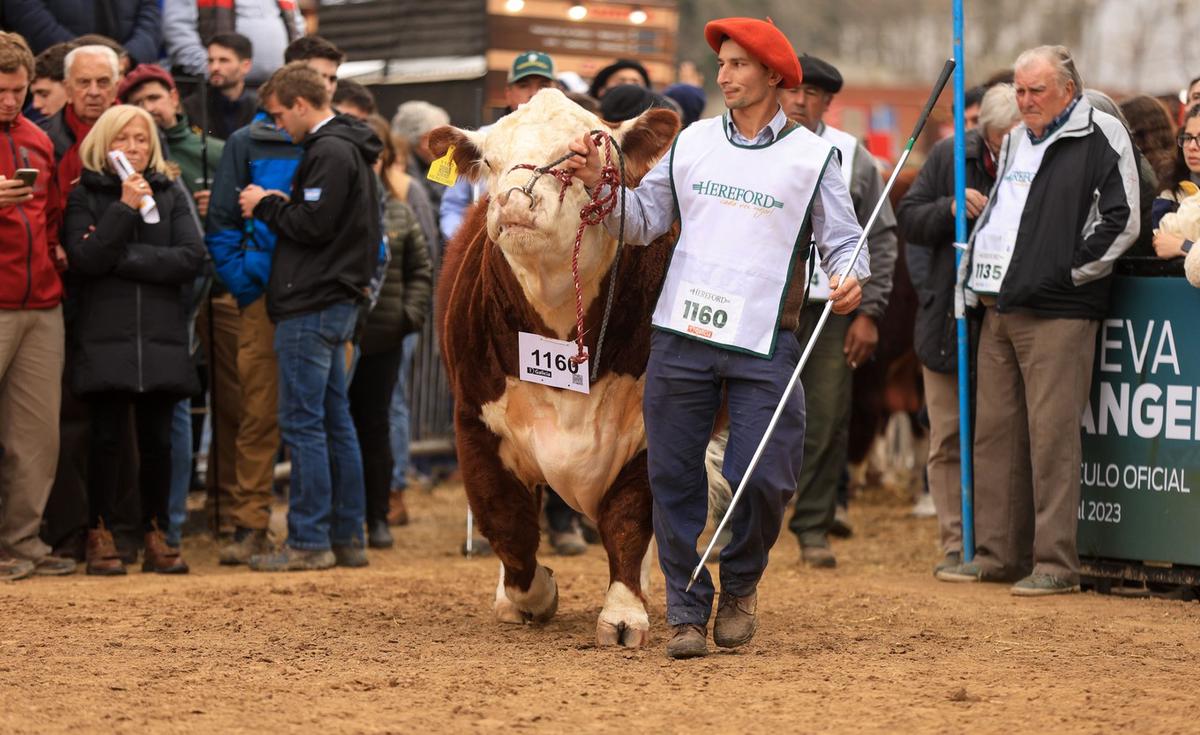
534,230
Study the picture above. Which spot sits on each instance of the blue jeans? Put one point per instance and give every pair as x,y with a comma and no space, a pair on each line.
399,417
181,470
684,383
327,503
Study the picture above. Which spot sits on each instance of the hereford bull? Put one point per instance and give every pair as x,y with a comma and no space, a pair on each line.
509,271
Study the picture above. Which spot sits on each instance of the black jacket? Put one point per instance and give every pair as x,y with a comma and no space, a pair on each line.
223,116
329,233
1083,212
925,221
404,299
133,288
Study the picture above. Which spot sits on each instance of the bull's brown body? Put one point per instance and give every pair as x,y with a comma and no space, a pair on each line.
514,437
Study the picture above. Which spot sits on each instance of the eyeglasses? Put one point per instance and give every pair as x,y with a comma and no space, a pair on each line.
1184,140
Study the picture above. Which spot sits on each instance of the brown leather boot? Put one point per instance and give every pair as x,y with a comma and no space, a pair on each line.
397,514
161,558
102,556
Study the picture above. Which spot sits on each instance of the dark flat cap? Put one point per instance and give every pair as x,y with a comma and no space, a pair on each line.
628,101
821,74
603,75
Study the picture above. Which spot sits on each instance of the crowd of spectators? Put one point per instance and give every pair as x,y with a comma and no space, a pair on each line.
189,183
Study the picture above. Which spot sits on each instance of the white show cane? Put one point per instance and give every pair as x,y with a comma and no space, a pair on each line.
947,70
470,545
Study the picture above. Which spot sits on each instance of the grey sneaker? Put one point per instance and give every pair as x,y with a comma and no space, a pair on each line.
350,555
288,559
246,542
948,562
818,557
971,572
737,619
54,566
688,641
1039,585
12,569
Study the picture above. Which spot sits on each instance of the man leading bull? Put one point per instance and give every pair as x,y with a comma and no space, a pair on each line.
750,189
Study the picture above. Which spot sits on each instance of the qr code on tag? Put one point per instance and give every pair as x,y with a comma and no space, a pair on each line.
577,379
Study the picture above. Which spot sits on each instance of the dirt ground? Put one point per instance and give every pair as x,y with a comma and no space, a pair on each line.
408,644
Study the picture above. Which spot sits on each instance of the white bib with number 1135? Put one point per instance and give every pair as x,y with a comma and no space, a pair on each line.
992,249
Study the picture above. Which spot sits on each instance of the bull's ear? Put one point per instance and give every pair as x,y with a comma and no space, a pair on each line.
468,148
645,139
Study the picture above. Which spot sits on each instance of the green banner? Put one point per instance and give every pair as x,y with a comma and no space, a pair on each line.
1141,429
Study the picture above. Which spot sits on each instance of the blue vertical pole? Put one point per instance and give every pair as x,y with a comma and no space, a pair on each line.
960,236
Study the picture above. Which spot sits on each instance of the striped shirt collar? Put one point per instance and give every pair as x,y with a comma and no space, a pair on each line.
767,135
1055,124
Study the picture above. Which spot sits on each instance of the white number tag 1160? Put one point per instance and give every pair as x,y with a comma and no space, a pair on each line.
547,361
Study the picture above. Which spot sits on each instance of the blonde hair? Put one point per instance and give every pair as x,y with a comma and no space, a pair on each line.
93,151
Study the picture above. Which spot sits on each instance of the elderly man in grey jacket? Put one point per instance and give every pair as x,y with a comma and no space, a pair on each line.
1065,206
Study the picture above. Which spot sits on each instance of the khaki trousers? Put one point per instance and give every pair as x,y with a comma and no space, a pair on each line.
1034,378
258,432
226,409
943,467
31,367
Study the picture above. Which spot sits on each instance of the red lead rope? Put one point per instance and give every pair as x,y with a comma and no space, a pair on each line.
601,204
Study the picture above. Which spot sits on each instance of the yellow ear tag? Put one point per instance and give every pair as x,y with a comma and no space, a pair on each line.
443,170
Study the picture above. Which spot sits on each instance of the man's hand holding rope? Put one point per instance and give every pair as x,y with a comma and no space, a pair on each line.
585,165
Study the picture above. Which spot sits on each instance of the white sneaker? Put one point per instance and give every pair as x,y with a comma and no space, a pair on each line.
924,507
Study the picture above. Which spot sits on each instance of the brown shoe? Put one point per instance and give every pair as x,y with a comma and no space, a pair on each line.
161,558
737,619
102,556
688,641
397,514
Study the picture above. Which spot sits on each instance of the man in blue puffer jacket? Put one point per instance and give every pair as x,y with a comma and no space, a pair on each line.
261,154
264,155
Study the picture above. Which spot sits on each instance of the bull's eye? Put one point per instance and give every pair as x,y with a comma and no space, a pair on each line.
489,165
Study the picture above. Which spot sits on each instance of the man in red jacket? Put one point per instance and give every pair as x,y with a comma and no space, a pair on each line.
31,325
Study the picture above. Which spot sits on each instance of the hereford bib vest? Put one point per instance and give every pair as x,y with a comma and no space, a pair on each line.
742,209
993,247
847,145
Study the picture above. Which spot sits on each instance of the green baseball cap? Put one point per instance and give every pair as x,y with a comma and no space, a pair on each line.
530,64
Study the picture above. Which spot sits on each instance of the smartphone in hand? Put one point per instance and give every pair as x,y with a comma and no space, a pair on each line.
28,176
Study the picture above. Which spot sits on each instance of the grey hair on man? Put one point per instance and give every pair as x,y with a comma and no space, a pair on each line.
93,50
1060,58
414,119
998,110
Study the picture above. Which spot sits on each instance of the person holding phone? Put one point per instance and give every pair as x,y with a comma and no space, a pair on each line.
131,337
31,324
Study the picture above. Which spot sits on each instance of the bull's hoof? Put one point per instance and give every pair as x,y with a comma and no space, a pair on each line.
506,612
623,621
620,634
536,605
544,615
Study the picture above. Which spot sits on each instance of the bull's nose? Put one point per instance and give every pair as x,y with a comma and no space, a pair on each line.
503,198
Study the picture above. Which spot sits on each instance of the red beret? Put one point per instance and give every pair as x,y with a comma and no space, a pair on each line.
141,74
762,39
